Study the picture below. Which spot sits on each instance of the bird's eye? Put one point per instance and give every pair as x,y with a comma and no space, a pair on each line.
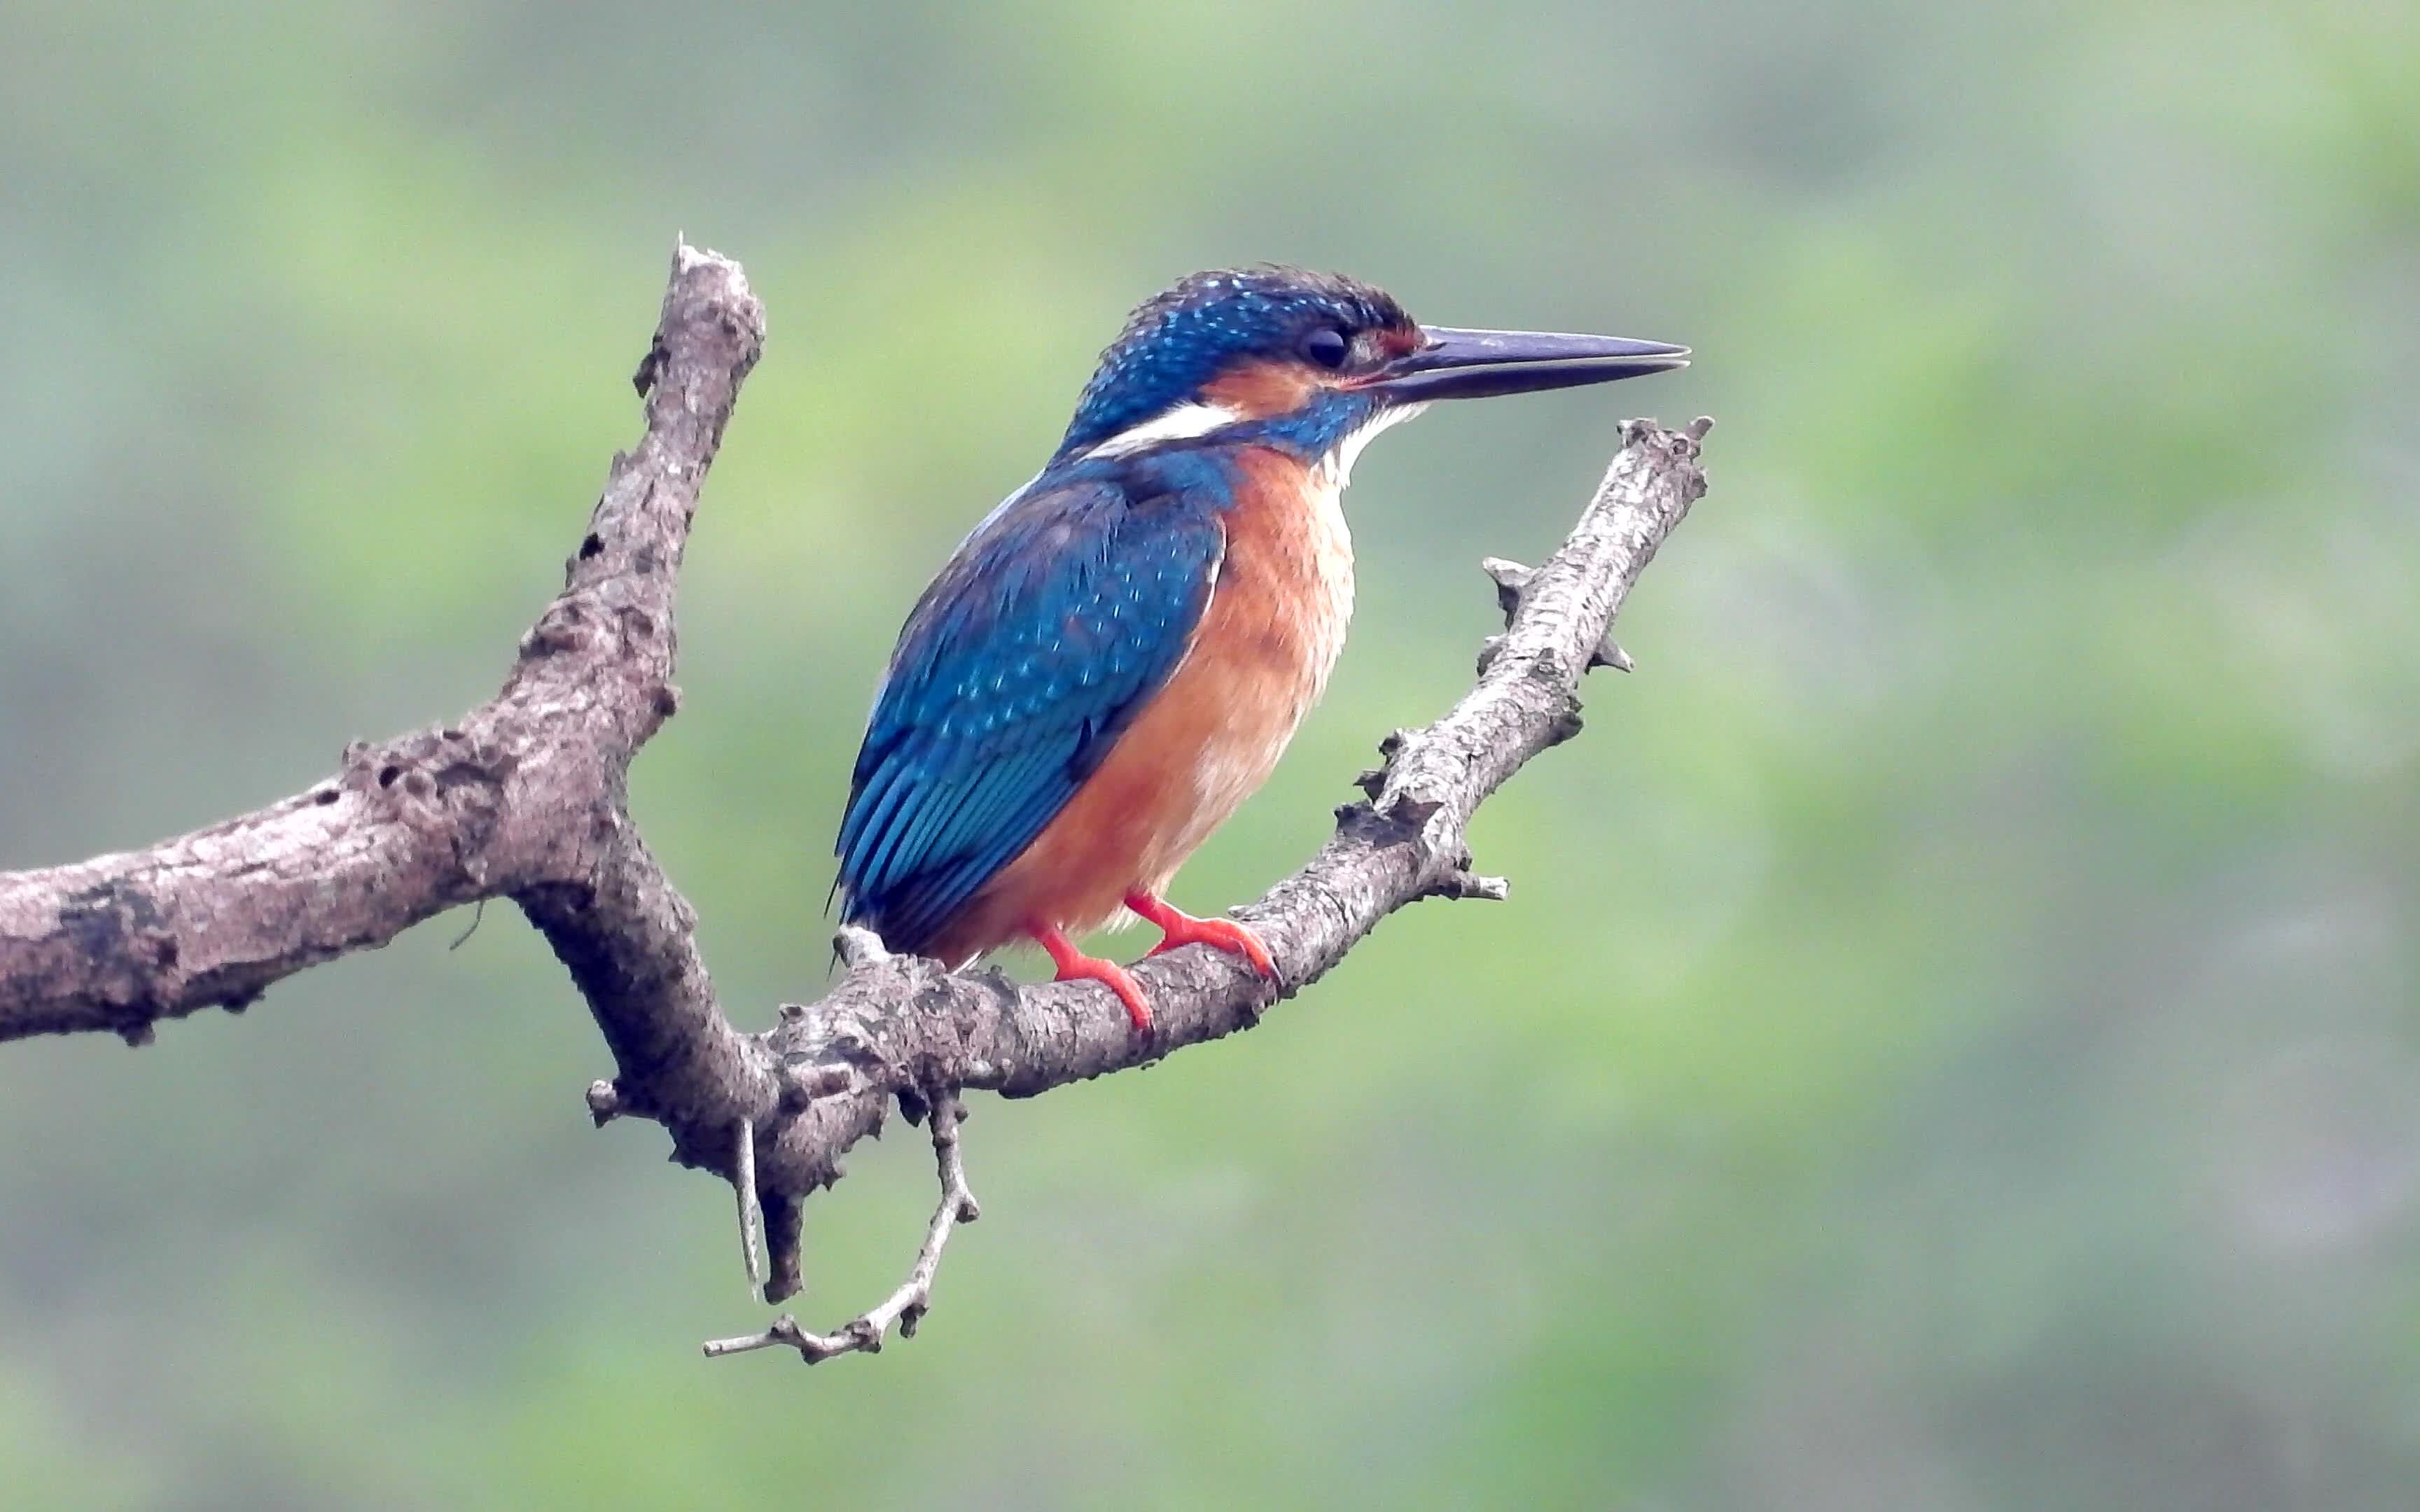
1327,348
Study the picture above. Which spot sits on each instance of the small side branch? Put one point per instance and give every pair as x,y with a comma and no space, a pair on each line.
908,1306
751,1217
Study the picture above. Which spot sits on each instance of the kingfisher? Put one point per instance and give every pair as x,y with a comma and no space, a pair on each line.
1112,660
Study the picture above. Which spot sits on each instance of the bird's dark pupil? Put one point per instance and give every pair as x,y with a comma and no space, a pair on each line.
1326,347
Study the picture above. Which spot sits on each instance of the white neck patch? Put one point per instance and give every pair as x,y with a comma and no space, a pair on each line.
1185,421
1179,423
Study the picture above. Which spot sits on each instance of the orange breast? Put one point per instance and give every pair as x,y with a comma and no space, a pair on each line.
1259,660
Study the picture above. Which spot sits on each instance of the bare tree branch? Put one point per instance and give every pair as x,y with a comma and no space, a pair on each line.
525,798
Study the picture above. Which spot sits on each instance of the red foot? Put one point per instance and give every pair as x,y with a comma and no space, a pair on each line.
1183,928
1074,965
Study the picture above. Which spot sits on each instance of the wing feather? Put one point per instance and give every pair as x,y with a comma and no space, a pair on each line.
1048,630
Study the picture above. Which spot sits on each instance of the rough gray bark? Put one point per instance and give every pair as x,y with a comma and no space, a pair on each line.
524,799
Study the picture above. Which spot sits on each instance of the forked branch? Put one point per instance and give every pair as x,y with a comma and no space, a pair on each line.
525,797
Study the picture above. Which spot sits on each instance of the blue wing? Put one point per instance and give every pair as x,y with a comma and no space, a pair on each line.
1048,630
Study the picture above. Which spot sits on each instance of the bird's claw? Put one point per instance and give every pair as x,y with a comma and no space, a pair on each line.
1224,934
1178,928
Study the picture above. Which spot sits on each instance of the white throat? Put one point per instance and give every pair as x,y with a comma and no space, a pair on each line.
1339,465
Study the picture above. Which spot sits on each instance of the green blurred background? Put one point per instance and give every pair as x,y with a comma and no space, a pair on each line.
1955,1038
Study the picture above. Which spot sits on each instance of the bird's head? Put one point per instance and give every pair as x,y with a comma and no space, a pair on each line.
1313,360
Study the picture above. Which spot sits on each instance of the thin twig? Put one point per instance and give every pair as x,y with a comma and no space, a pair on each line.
908,1306
751,1218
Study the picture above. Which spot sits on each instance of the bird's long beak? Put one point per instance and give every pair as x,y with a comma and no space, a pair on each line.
1478,364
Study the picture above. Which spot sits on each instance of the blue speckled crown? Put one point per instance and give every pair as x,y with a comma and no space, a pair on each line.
1179,340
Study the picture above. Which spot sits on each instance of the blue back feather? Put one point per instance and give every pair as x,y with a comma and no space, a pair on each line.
1048,630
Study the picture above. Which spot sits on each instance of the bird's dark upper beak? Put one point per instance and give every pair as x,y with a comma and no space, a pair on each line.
1476,365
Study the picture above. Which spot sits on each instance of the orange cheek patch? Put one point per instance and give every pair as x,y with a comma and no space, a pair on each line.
1263,390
